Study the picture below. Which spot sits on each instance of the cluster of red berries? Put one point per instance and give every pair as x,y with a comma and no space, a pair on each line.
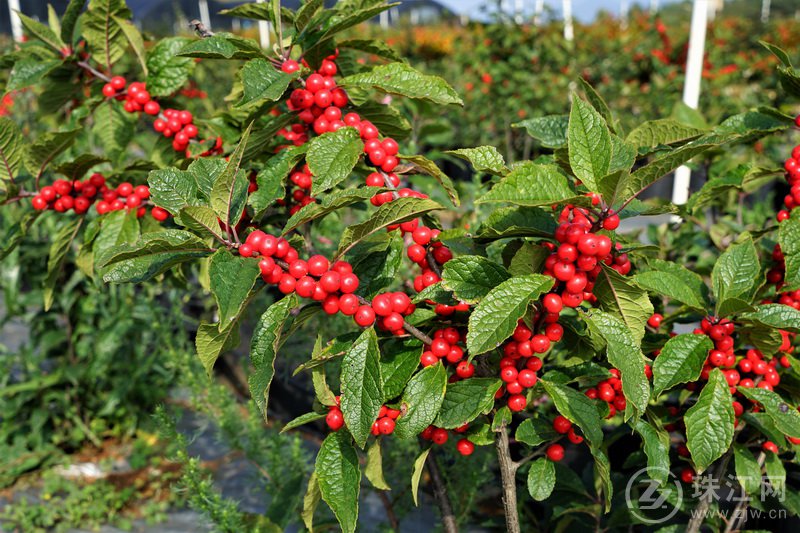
721,332
172,123
445,347
300,197
576,262
519,364
610,391
64,195
440,436
792,167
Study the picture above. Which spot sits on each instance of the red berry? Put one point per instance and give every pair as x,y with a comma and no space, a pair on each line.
517,402
561,424
465,447
365,316
335,420
555,452
687,475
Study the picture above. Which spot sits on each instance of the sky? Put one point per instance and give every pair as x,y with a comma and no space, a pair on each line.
584,10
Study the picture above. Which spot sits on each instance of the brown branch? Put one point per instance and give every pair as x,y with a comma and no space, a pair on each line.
736,517
508,471
394,523
96,73
699,514
449,524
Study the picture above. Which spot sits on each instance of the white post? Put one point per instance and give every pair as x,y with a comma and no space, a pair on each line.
518,11
384,20
566,8
765,4
623,13
537,12
205,18
16,23
653,6
691,87
263,31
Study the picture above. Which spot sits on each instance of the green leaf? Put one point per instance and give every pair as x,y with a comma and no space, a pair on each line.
597,102
46,148
376,262
775,316
541,479
267,338
709,422
421,401
426,166
152,254
529,259
332,156
495,317
654,133
681,361
10,149
602,471
210,342
116,229
589,143
41,32
776,473
389,121
232,279
789,239
404,80
310,501
624,354
339,478
58,253
785,416
551,130
28,72
472,277
114,127
656,448
261,81
517,222
374,468
134,38
535,431
270,180
737,273
617,295
748,471
362,386
674,281
465,400
166,71
483,159
578,408
229,193
222,46
416,475
70,18
371,46
76,168
202,220
398,365
395,212
302,420
105,36
531,185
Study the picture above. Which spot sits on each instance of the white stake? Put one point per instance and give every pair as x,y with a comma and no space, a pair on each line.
518,11
537,12
566,8
691,88
653,6
384,20
623,13
16,23
263,31
765,4
205,18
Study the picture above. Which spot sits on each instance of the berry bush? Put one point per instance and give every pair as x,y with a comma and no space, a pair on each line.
537,334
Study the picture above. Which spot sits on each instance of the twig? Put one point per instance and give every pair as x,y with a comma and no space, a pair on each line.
699,513
406,326
508,471
738,512
449,523
96,73
201,29
394,523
